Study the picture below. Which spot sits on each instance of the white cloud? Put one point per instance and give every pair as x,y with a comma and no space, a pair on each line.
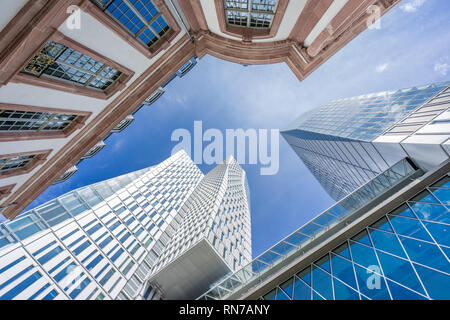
381,67
119,144
412,6
442,67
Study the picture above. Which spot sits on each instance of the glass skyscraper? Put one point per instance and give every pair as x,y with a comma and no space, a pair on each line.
347,142
371,245
385,159
106,240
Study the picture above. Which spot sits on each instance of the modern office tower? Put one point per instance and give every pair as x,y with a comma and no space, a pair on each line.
126,237
214,238
347,142
63,90
389,239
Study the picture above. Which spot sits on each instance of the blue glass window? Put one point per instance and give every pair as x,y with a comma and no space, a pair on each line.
288,287
105,242
11,294
59,265
64,272
51,295
94,229
324,263
425,196
108,275
431,212
440,232
409,227
425,253
117,255
387,242
382,224
305,275
400,271
15,277
50,255
56,60
362,237
139,17
70,234
81,247
301,290
36,253
363,255
343,292
399,292
436,283
322,283
76,241
281,295
343,270
37,293
12,264
442,194
343,250
75,292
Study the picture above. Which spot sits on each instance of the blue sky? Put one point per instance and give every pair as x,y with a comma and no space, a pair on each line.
411,48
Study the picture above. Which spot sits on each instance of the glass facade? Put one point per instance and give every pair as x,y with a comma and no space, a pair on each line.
336,141
140,17
99,241
250,13
366,117
404,255
18,121
327,223
105,240
58,61
218,210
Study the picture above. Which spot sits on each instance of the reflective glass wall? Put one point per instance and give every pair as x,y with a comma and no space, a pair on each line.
404,255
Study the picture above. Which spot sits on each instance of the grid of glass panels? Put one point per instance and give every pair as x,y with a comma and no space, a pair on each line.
218,211
140,17
339,164
330,221
368,116
58,61
8,164
404,255
16,120
250,13
112,231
